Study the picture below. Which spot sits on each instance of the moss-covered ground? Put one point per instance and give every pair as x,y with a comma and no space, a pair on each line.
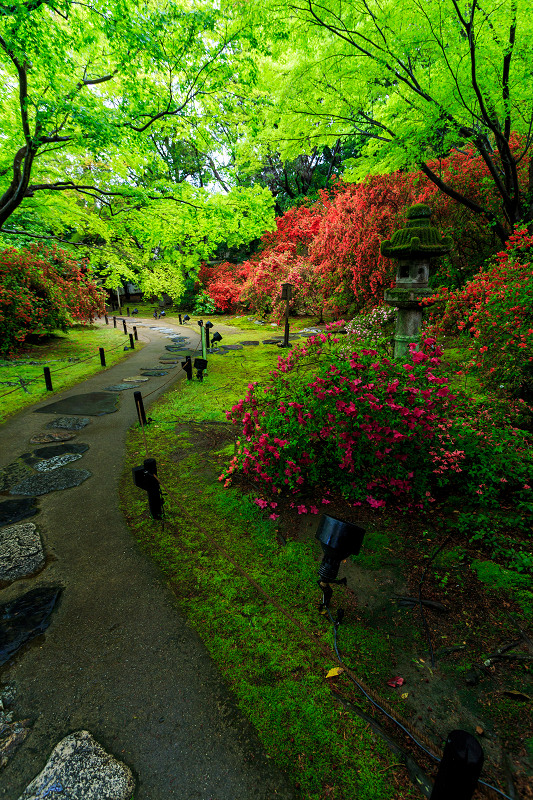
248,584
71,356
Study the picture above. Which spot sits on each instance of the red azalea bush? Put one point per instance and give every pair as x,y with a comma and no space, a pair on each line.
330,250
223,283
362,424
42,289
496,309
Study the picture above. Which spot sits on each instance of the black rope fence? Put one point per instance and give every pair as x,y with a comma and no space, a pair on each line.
24,383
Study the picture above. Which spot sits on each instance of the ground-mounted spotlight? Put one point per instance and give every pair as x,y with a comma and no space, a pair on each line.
200,364
216,337
145,477
339,539
186,318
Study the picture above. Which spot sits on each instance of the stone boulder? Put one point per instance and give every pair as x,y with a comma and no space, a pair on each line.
80,769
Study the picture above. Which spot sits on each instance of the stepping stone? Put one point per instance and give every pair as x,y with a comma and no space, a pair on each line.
14,510
13,474
64,478
120,387
173,348
13,734
50,464
95,404
135,378
249,344
21,551
57,436
70,423
231,347
80,769
154,373
58,450
272,341
24,618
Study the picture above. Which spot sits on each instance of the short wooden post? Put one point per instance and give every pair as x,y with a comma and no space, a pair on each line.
48,379
137,396
114,322
135,332
106,319
124,326
102,356
132,343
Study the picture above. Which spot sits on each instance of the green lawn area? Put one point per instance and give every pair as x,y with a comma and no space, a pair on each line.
71,357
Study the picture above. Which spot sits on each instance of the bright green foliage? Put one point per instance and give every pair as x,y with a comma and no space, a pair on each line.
411,80
101,103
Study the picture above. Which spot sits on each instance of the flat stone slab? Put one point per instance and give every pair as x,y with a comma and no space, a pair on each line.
94,404
120,387
49,464
69,423
21,552
54,481
14,510
231,347
13,474
25,618
249,344
55,436
52,452
135,379
80,769
155,373
173,348
12,734
272,341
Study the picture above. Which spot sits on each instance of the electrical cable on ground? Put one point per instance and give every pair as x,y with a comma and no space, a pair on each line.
396,722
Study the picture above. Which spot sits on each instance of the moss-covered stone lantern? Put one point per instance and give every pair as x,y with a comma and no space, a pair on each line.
414,246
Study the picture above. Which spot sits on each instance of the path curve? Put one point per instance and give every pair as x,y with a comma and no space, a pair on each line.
119,659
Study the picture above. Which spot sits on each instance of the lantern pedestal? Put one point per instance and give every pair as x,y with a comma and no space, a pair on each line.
409,318
414,246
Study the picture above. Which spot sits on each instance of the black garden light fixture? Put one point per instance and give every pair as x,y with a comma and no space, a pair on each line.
208,326
339,539
286,294
200,364
186,318
216,337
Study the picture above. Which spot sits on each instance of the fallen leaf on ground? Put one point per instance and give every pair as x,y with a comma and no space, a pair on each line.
334,672
395,682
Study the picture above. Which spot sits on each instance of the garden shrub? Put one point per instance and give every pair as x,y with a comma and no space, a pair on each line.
360,423
496,309
380,431
43,289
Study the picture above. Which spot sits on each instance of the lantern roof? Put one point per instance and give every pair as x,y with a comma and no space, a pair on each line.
418,240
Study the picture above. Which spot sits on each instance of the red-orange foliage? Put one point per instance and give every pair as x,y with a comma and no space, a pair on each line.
330,249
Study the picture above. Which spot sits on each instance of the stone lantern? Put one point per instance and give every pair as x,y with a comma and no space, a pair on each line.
413,246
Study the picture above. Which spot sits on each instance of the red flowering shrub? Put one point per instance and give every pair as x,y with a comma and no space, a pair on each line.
496,309
41,290
363,424
223,283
